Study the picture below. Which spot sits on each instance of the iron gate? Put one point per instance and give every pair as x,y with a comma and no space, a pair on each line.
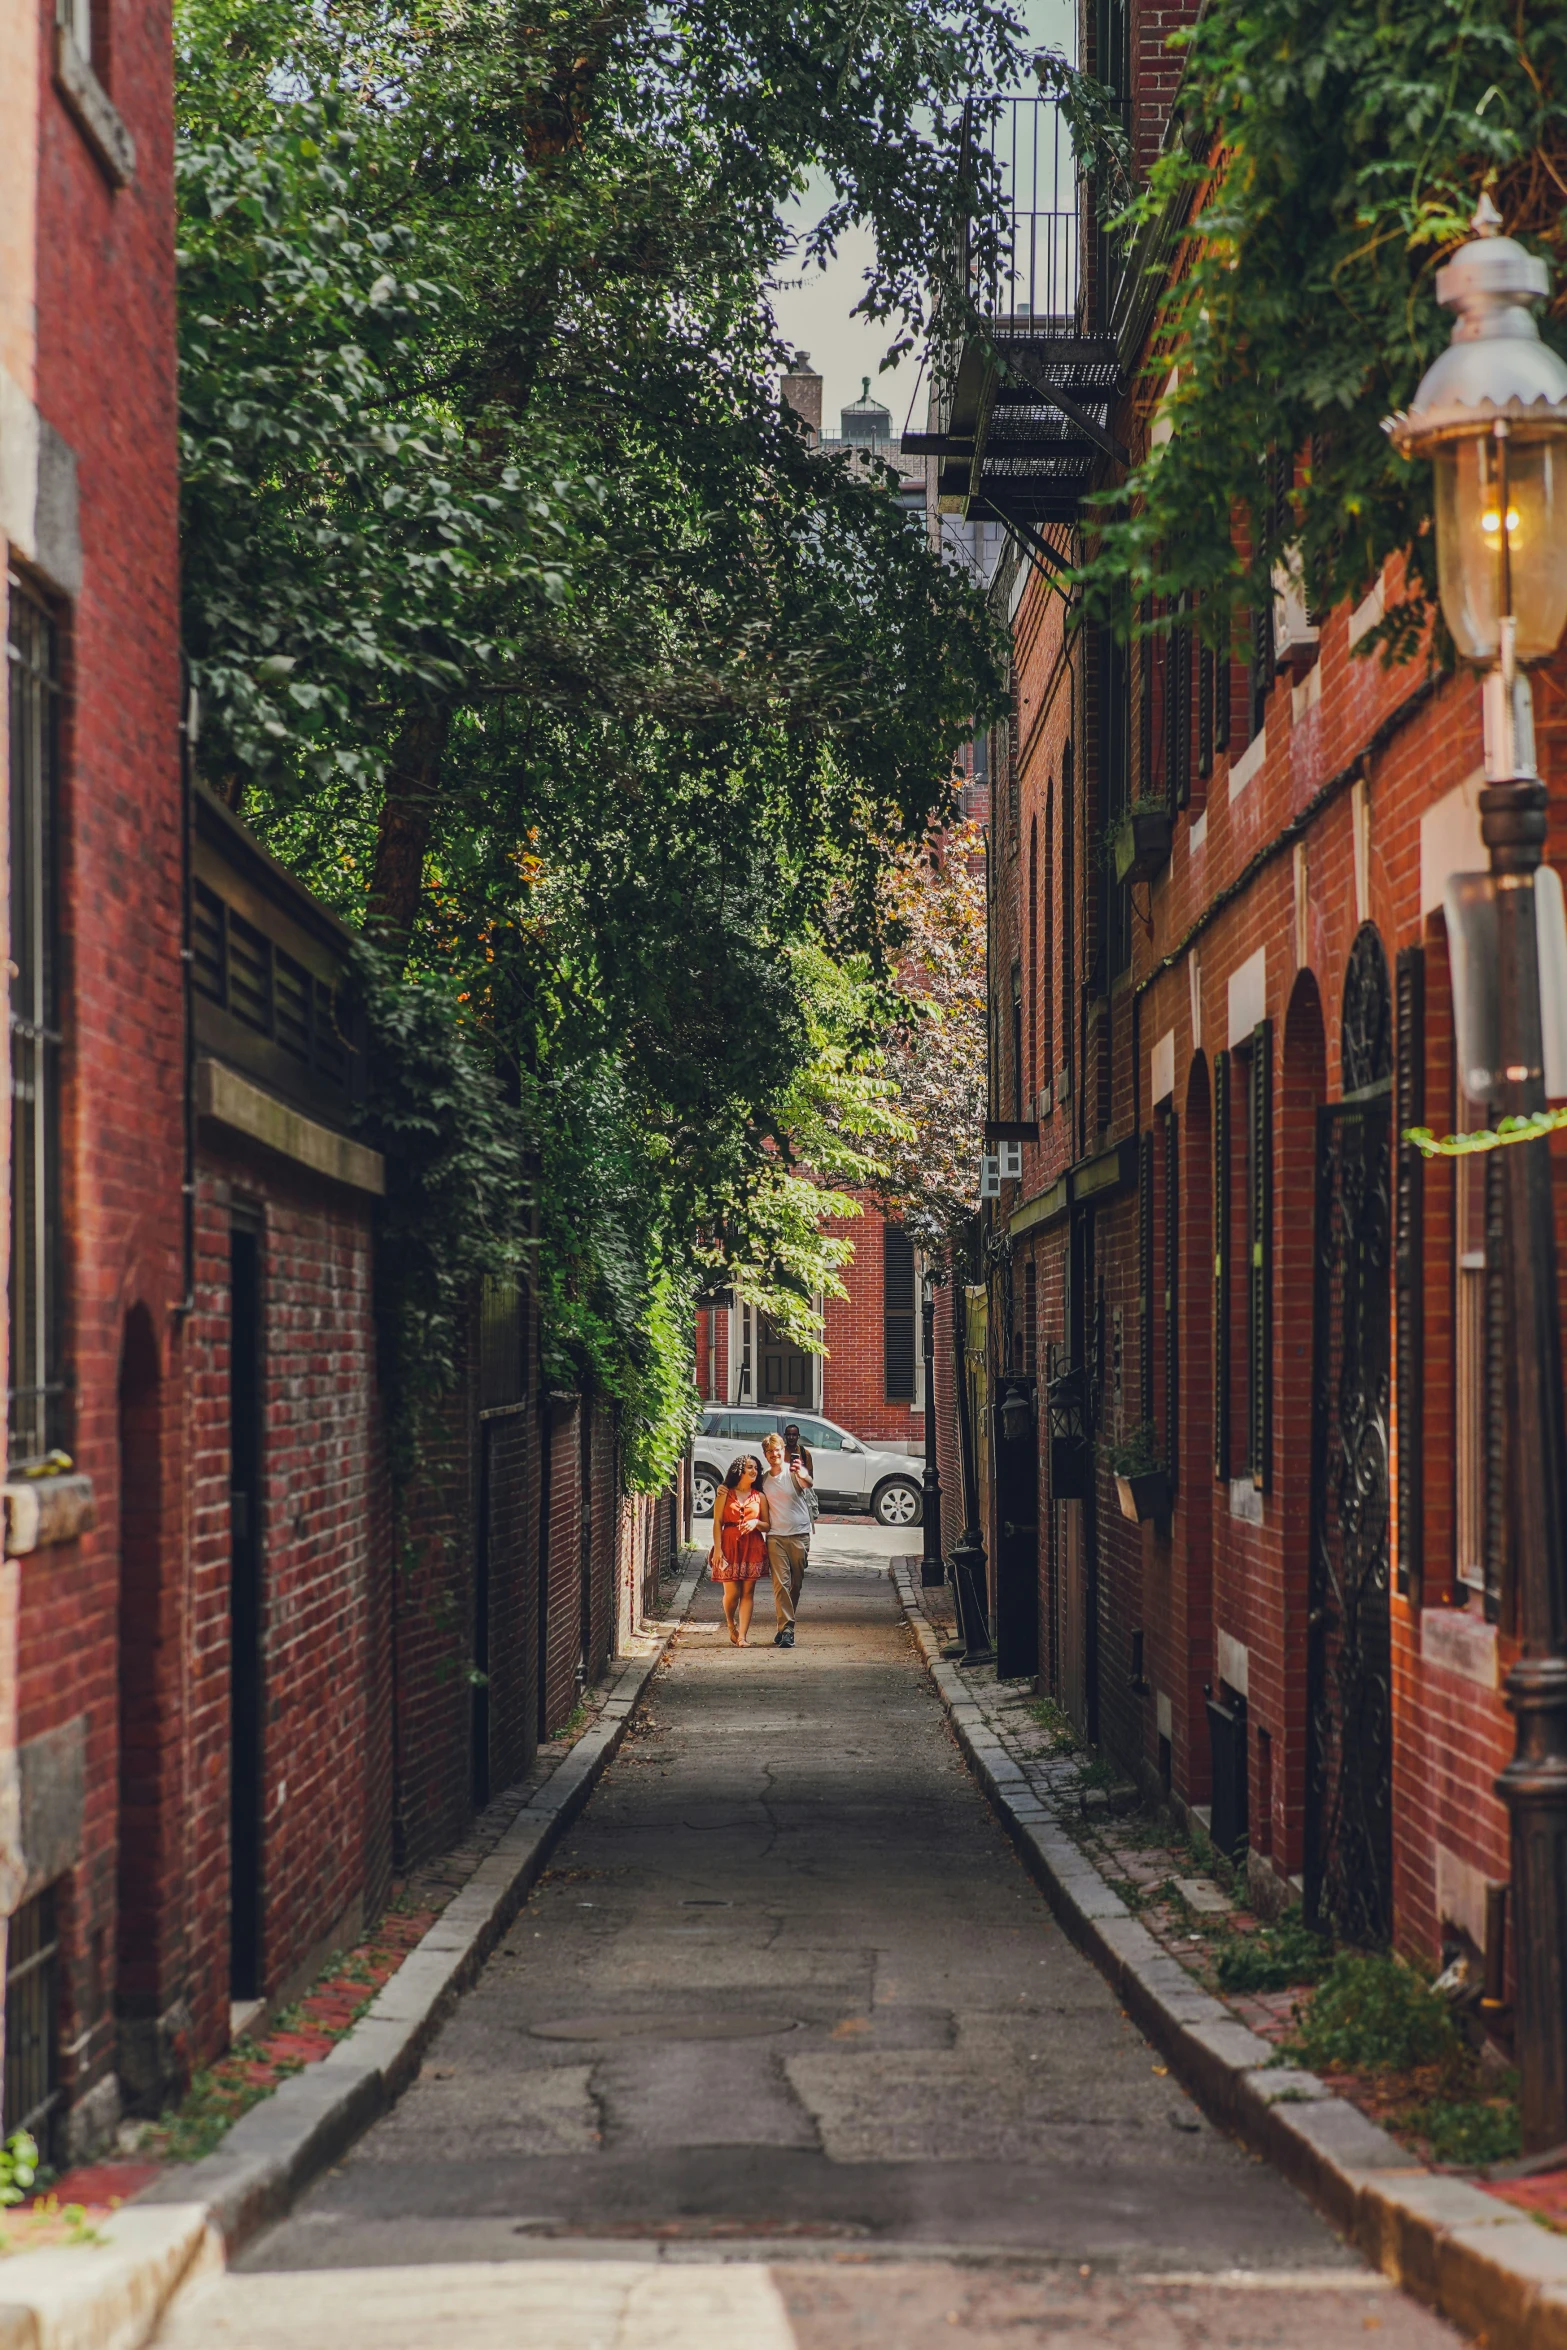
1349,1852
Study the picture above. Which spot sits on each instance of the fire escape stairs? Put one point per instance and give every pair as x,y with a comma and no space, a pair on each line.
1028,428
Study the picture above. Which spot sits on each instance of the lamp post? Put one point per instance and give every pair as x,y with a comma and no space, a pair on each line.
931,1571
1492,415
968,1552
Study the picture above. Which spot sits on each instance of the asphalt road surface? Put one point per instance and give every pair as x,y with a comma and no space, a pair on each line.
786,2052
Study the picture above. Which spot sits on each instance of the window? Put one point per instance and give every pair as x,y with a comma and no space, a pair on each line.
31,2004
1017,1040
1205,686
1068,912
1047,952
1014,766
37,1394
897,1301
751,1425
1221,1267
817,1436
1172,1301
1115,690
1259,1255
1145,1277
1033,958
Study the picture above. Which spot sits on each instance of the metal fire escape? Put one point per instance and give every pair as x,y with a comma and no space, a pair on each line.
1024,428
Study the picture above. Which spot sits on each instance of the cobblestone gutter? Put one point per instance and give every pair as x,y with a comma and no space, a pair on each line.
1489,2268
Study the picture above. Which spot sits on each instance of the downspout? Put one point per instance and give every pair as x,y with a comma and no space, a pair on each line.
189,730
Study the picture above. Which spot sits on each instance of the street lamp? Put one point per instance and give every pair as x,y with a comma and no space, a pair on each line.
932,1573
1492,416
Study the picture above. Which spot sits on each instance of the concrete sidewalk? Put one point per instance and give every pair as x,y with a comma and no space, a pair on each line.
1489,2268
110,2295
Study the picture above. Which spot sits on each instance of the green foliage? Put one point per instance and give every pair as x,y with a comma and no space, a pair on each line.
531,633
1372,2012
1328,160
457,1193
18,2167
1274,1958
1466,2131
1139,1451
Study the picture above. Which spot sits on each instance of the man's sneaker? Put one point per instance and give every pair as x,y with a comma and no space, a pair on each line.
785,1639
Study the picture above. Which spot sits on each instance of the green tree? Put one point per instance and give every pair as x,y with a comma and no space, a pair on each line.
527,626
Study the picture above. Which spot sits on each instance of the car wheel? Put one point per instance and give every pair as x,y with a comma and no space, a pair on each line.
704,1492
898,1503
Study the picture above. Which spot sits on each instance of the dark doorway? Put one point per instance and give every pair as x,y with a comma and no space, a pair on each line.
1016,1470
140,1864
245,1563
479,1718
786,1370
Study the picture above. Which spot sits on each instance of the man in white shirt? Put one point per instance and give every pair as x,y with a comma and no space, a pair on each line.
785,1484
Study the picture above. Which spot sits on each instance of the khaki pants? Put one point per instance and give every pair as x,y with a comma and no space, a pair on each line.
786,1556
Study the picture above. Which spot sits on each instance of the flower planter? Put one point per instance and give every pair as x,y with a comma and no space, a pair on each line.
1144,1496
1141,844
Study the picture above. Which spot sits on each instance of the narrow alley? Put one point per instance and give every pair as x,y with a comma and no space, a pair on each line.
756,2052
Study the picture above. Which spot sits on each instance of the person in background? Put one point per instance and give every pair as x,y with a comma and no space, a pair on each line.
786,1484
739,1552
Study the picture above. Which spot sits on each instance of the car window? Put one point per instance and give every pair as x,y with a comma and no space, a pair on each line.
752,1424
712,1423
820,1437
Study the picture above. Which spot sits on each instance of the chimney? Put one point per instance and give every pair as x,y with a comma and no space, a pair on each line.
801,388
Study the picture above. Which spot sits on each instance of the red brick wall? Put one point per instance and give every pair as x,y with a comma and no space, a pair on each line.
852,1376
325,1560
105,383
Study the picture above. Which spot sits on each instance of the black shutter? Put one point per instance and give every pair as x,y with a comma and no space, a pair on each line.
1205,684
1221,1267
897,1299
1172,1343
1409,1264
1179,764
1259,1271
1145,1274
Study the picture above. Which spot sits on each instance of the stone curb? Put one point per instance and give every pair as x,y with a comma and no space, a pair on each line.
1489,2268
111,2295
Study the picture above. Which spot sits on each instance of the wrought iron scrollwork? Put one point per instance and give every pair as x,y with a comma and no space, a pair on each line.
1366,1037
1349,1785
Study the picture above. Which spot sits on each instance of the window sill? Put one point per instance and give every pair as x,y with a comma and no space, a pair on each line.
41,1511
97,117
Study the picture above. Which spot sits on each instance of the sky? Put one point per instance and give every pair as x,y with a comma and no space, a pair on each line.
814,314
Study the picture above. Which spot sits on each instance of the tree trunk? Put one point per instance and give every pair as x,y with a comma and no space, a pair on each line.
404,832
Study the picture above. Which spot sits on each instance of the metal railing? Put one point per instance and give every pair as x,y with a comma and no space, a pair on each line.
1037,284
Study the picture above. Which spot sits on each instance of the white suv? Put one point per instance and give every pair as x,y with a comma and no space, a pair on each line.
850,1476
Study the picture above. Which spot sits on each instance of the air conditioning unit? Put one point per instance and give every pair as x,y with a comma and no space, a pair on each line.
989,1177
1011,1157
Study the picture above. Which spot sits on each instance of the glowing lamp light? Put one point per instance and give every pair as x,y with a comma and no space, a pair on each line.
1491,414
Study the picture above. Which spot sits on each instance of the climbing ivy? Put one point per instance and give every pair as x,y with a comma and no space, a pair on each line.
1328,158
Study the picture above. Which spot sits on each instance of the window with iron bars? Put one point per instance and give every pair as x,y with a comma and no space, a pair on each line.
36,1400
31,2005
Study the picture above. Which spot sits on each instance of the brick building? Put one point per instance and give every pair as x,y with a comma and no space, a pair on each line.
870,1379
1205,1049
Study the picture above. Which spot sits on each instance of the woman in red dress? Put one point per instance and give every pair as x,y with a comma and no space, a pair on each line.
738,1557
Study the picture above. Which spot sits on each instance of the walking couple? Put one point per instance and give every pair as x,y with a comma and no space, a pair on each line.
762,1517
